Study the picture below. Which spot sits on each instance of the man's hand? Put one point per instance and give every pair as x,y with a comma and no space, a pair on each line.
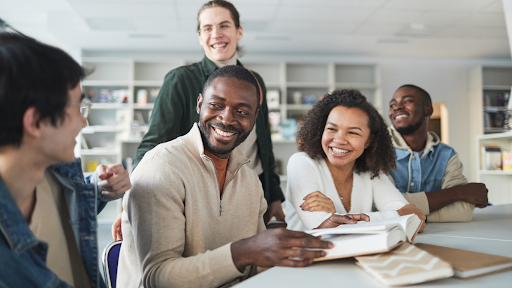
317,201
116,229
276,210
114,179
278,247
475,193
411,209
336,220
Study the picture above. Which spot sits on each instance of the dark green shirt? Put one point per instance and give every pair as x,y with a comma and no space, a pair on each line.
175,113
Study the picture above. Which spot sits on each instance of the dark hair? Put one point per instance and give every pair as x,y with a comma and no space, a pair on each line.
427,101
234,71
32,74
224,4
380,154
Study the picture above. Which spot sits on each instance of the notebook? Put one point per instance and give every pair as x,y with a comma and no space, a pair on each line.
468,264
404,265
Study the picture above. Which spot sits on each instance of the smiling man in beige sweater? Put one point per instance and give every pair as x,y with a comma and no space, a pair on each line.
194,215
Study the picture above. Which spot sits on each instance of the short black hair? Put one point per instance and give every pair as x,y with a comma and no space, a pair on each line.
32,74
234,71
380,154
427,101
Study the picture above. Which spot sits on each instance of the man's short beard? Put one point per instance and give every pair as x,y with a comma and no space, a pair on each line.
410,129
205,133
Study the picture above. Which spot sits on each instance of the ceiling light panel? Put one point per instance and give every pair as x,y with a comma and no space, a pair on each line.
438,5
379,30
158,24
366,4
314,13
123,10
318,28
122,24
259,13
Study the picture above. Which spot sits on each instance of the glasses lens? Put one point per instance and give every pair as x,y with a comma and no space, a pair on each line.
85,107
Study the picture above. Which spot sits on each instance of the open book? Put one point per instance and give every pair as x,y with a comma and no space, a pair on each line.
368,237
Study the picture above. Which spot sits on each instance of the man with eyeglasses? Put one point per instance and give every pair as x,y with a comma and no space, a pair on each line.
48,210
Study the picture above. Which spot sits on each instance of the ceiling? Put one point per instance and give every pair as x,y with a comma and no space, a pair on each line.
375,28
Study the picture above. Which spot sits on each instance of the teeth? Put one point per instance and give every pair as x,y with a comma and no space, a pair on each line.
337,151
400,116
215,46
222,133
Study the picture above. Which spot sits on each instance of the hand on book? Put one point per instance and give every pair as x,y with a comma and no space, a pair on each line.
317,201
278,247
336,220
411,209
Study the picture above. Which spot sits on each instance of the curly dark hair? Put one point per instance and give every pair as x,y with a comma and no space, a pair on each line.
380,154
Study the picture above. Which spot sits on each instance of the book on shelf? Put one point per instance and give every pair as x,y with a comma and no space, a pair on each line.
490,157
83,143
404,265
469,264
140,118
506,159
368,237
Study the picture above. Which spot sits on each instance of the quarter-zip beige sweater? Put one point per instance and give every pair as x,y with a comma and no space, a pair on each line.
177,229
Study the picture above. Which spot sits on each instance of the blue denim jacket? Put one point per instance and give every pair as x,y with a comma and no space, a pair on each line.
420,174
23,257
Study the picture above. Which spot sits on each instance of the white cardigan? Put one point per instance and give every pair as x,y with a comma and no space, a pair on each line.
306,175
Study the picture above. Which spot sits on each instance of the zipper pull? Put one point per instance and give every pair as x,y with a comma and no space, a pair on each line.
220,208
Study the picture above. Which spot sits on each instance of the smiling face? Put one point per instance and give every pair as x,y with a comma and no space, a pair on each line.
218,34
227,113
407,111
346,135
58,142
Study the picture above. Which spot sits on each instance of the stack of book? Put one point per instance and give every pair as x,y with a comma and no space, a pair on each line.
492,157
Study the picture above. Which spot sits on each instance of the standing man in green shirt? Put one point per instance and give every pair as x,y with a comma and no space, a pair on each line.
174,114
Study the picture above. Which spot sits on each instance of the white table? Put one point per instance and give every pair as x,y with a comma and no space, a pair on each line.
490,231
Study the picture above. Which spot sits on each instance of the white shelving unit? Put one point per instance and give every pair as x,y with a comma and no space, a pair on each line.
499,183
109,135
486,82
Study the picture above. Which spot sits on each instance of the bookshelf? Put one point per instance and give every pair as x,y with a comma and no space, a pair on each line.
488,88
118,122
498,182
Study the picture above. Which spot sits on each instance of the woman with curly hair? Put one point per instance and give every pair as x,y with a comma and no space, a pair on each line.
347,155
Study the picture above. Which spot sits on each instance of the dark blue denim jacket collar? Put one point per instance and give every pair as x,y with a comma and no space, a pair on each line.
13,225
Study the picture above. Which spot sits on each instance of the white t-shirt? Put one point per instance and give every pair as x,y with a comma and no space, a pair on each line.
306,175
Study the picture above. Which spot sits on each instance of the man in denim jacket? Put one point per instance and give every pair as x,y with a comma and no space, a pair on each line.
42,109
429,172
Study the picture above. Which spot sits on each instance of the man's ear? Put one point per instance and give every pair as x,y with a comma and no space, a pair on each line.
429,110
239,33
199,103
31,125
256,114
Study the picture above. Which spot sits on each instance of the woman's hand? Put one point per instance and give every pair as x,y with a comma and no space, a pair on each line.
317,201
411,209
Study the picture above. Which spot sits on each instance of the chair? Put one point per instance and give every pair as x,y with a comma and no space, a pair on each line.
110,260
